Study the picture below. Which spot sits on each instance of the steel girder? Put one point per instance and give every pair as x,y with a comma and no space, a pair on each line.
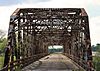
32,30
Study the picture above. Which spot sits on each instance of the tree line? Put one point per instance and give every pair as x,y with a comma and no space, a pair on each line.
3,41
96,47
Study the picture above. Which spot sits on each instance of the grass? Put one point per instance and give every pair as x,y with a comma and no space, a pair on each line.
1,61
96,62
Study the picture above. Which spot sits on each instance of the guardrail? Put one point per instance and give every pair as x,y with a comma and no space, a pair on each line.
22,62
80,62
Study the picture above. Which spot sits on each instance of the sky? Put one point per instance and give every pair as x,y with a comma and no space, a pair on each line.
92,7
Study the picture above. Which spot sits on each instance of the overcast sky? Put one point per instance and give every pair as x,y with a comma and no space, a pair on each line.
92,7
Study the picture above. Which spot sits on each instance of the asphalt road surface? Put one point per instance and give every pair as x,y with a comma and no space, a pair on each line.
52,62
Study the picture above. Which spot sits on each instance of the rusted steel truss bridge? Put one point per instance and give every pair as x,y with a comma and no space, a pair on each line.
32,30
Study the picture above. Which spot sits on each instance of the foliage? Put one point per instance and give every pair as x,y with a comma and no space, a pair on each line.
3,44
96,48
3,41
2,34
96,62
1,61
96,58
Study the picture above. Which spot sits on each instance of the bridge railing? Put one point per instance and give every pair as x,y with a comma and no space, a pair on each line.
80,62
22,62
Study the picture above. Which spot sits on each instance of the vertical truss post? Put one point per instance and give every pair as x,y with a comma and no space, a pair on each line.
19,39
88,44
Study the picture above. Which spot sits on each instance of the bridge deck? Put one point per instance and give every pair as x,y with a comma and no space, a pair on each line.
52,62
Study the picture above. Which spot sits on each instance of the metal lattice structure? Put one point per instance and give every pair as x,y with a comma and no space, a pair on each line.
32,30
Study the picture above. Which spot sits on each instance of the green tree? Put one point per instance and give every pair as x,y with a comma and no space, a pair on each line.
96,59
3,41
95,48
3,44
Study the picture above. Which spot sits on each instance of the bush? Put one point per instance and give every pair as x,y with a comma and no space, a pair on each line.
2,45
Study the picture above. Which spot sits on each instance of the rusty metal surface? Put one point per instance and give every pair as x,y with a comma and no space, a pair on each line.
32,30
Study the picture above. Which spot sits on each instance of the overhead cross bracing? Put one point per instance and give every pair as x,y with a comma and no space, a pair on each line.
32,30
